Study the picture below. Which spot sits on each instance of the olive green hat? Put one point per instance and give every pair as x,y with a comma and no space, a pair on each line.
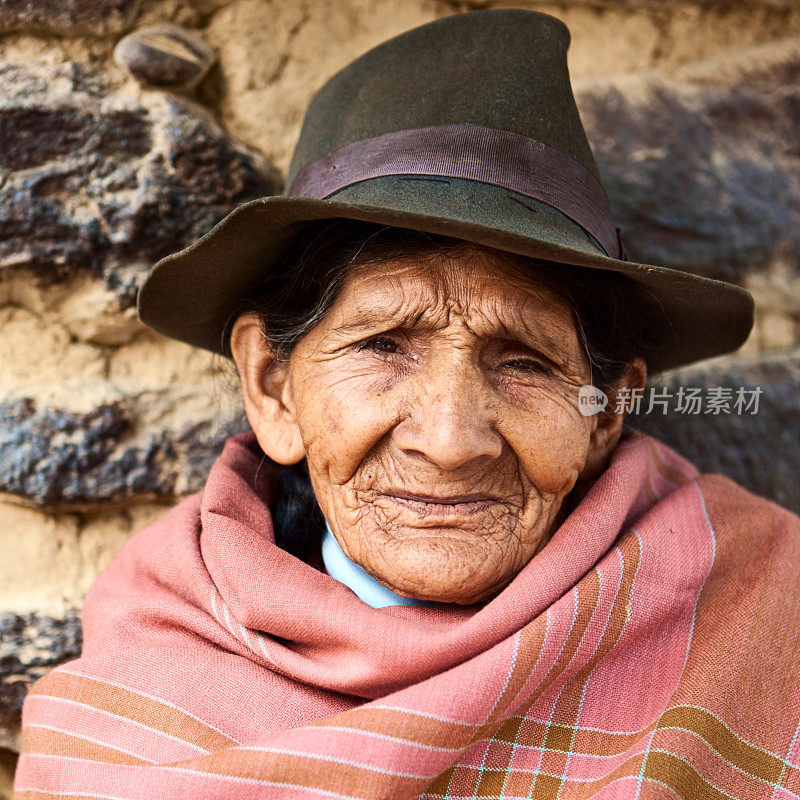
466,127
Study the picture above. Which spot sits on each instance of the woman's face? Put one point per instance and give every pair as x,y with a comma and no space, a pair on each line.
437,406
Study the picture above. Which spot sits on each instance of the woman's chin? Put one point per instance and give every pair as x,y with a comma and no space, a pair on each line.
449,595
425,569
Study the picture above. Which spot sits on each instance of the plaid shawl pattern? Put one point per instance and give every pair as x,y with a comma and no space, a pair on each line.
650,650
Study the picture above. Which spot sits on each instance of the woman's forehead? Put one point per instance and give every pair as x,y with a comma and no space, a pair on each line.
467,283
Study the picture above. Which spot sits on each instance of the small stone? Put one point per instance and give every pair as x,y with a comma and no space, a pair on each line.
165,57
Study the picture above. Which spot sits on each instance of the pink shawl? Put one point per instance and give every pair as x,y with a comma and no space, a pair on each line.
650,650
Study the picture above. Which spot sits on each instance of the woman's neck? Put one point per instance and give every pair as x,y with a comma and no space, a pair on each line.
368,589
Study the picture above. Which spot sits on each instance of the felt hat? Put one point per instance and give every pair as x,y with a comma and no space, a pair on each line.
467,127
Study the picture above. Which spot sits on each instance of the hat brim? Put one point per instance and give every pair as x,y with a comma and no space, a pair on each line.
191,295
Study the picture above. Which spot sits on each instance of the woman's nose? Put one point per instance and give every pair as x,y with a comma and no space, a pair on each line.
449,419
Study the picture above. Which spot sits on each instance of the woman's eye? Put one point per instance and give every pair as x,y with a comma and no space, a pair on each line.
380,344
525,365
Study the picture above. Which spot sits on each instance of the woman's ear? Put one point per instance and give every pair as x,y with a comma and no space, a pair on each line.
266,391
608,426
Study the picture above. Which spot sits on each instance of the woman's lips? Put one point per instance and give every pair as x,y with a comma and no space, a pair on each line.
431,506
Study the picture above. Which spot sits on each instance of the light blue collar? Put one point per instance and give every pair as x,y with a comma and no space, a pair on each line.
371,591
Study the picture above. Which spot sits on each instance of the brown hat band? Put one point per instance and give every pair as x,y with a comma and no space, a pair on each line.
500,158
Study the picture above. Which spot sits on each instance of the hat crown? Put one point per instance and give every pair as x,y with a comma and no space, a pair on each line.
504,69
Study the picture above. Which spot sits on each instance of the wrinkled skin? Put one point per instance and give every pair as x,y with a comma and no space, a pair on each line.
436,404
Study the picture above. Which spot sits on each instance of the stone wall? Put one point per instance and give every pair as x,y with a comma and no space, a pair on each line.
128,127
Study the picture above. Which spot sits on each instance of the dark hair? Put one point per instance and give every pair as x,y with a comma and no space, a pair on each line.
613,315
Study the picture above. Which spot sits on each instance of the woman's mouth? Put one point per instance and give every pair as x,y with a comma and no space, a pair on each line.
441,507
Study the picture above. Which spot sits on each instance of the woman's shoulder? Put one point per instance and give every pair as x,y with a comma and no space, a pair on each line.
726,499
749,529
731,511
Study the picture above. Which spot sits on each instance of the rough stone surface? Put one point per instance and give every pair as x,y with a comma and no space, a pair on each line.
67,16
55,554
50,455
107,183
703,177
30,645
759,451
165,56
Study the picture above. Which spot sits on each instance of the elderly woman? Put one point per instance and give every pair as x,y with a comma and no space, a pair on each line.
430,570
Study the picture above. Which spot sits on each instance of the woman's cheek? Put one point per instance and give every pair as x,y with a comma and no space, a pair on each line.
342,420
551,446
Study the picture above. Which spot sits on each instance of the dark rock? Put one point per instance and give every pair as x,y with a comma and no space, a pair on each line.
760,451
99,182
701,177
67,16
30,646
202,442
31,138
165,56
49,455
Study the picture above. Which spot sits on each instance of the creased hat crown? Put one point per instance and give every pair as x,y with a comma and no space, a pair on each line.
503,69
